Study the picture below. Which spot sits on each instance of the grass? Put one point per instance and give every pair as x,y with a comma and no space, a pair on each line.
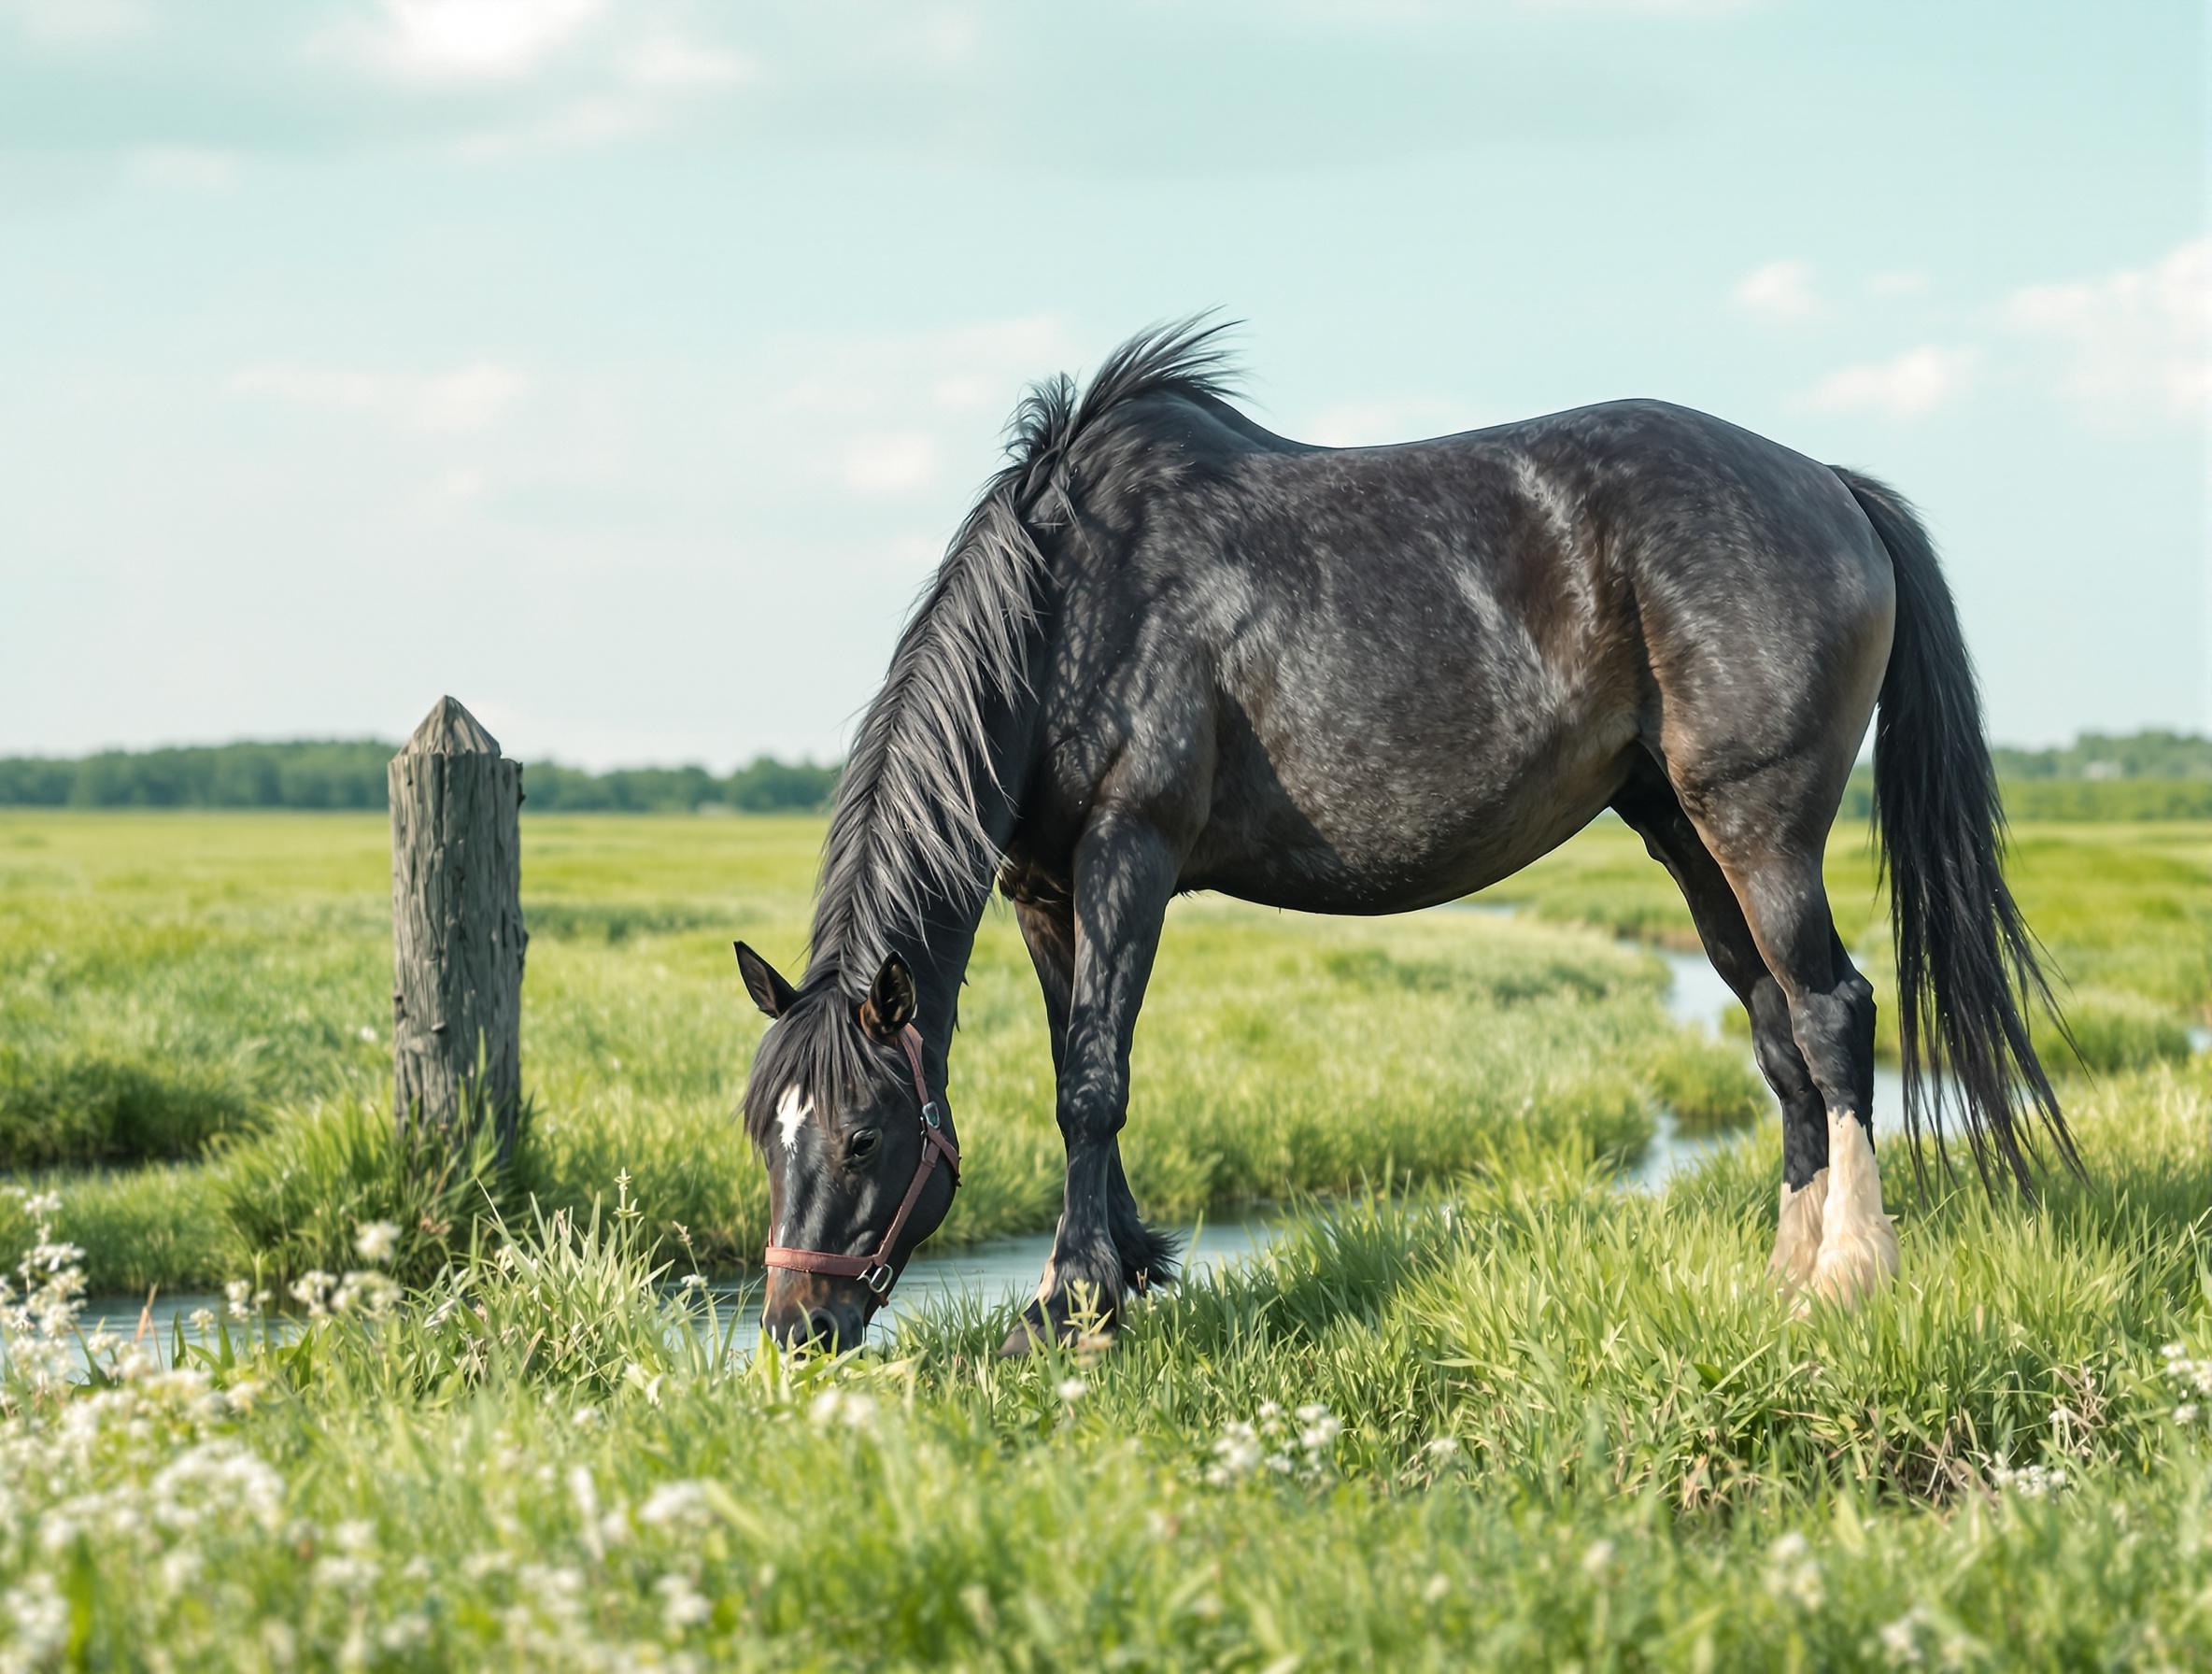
237,966
1501,1413
2125,913
1521,1421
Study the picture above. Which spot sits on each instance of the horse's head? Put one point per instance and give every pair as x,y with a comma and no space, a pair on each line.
861,1165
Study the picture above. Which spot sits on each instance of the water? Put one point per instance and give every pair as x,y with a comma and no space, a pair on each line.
1004,1270
995,1273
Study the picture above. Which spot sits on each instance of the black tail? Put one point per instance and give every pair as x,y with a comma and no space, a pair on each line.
1966,966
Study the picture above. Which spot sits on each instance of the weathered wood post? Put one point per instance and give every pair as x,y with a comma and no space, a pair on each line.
457,935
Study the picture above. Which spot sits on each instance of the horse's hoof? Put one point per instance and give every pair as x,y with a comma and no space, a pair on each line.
1858,1242
1797,1236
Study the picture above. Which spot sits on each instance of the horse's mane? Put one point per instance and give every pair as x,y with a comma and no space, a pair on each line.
908,830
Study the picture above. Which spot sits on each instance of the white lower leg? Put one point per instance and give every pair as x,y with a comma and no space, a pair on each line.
1858,1242
1797,1233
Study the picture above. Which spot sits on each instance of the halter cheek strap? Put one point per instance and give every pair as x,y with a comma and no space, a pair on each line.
874,1269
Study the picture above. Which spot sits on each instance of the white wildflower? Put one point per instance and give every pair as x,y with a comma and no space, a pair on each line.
1793,1573
312,1291
376,1241
370,1294
2029,1482
674,1506
1072,1390
846,1407
682,1605
1598,1559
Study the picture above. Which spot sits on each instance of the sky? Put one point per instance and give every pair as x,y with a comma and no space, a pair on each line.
623,368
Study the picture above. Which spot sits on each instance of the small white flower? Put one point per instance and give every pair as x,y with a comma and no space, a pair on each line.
1900,1639
376,1241
368,1034
682,1605
2185,1413
200,1318
693,1281
1072,1390
1598,1558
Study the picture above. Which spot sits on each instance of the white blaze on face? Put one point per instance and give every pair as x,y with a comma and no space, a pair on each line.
791,1112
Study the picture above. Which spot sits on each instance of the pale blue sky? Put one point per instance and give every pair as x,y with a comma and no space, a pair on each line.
622,368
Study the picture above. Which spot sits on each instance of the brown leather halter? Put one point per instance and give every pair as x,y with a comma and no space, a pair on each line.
874,1269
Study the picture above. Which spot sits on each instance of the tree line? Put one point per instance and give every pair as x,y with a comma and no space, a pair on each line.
349,773
2152,774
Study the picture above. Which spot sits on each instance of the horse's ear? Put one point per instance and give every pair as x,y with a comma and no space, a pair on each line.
890,1003
769,991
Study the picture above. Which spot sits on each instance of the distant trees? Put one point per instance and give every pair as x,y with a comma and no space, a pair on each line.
349,773
2151,754
2138,775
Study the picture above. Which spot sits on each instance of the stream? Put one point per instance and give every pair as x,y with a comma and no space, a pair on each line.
1004,1270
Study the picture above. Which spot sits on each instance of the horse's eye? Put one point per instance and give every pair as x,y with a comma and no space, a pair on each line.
861,1146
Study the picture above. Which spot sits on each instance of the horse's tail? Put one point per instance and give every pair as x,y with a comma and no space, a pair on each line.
1967,972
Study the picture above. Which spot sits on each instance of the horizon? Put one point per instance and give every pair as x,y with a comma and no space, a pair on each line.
625,367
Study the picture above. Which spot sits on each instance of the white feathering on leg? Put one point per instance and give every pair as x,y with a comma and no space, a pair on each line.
1797,1234
1858,1242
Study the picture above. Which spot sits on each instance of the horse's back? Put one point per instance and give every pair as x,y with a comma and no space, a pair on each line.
1376,677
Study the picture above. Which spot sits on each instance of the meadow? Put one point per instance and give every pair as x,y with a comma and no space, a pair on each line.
194,1042
1481,1407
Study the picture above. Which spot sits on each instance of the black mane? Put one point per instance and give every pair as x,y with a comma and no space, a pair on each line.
909,828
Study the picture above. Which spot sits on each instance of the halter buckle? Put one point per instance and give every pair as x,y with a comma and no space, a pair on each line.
878,1278
930,1117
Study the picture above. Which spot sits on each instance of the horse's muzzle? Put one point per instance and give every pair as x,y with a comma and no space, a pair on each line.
806,1311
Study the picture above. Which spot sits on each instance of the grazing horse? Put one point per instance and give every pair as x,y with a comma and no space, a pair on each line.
1168,650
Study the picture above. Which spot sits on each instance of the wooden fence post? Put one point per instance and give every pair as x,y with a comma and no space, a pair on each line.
457,935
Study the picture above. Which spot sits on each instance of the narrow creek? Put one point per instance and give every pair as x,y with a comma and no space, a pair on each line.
1004,1270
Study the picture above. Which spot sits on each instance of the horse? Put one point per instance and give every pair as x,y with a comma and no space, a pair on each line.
1168,650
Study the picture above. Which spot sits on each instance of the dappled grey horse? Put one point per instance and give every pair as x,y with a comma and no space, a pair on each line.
1168,650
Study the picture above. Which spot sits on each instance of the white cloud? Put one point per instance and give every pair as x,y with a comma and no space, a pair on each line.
1780,291
465,40
2133,339
1914,384
887,466
470,397
185,168
77,22
667,61
587,122
1901,282
1376,423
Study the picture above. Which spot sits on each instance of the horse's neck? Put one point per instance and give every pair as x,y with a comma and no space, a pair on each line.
929,926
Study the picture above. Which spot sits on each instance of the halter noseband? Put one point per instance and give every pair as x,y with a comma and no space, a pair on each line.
874,1269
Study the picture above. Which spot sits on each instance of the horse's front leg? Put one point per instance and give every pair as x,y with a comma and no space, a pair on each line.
1148,1258
1125,875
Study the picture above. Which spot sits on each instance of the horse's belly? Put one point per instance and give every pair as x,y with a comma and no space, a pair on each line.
1373,833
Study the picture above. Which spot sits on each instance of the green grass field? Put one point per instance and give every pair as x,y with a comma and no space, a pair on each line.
1500,1414
195,1007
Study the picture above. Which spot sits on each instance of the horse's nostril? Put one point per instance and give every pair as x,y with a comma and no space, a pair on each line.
821,1327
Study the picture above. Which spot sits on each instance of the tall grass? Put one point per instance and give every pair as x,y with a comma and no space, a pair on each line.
239,965
1521,1421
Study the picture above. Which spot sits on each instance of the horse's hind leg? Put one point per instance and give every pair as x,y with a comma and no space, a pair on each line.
1767,828
1649,806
